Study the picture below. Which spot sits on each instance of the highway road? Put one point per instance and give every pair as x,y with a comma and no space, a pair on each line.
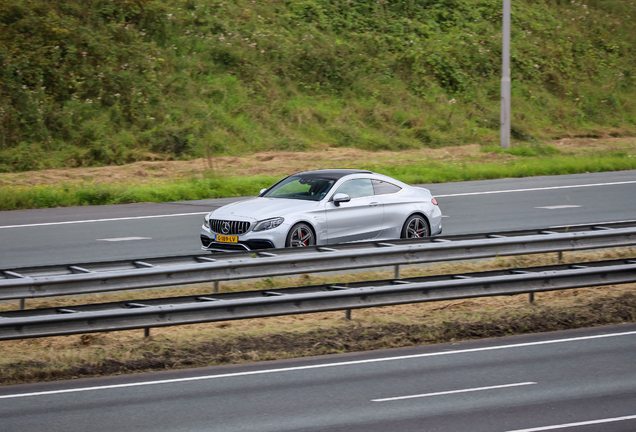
581,381
573,381
101,233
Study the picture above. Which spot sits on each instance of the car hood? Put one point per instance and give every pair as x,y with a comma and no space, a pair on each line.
264,208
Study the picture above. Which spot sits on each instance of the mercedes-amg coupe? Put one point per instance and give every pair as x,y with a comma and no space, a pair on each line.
323,207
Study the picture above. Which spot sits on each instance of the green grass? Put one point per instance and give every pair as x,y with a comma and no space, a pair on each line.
101,83
86,193
452,172
20,197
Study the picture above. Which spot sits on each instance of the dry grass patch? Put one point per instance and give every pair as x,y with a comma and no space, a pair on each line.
53,358
279,164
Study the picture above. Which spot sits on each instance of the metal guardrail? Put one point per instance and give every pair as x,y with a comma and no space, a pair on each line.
101,277
257,304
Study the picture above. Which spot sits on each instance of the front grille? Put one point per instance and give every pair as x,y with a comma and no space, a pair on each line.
231,227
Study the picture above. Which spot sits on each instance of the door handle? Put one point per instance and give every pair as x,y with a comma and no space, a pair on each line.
374,204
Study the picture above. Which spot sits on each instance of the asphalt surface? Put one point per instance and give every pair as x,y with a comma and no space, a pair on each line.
101,233
582,380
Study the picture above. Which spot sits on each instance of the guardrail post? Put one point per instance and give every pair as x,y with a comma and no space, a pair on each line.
22,304
396,271
147,332
531,297
216,287
348,314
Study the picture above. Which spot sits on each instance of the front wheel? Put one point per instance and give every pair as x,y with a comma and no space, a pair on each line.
415,227
300,235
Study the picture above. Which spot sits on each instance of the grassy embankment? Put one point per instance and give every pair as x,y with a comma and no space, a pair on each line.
100,83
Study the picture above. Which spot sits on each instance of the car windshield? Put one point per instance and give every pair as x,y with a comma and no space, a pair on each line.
309,188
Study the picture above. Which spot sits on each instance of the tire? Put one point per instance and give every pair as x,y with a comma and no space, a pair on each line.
416,226
300,235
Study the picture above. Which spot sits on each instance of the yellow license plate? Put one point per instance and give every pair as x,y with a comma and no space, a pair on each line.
227,239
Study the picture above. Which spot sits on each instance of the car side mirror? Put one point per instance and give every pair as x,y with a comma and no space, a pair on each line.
340,198
262,192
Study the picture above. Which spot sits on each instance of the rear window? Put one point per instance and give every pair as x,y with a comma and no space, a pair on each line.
384,188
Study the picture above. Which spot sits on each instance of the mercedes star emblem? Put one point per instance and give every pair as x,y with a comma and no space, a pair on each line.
226,227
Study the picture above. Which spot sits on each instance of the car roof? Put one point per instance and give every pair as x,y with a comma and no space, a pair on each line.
331,174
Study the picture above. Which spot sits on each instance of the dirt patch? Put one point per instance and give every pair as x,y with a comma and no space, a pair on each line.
279,164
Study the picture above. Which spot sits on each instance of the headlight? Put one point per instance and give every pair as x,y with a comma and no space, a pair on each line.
268,224
206,221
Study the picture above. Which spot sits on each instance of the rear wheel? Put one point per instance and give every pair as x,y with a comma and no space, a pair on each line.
300,235
415,226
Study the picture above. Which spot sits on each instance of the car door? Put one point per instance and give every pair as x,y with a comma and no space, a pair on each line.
397,207
359,219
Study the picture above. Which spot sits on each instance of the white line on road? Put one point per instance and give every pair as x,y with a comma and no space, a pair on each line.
569,425
586,224
558,207
317,366
118,239
102,220
453,392
535,189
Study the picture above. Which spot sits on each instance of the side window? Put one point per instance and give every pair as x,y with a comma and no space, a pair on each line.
385,188
356,188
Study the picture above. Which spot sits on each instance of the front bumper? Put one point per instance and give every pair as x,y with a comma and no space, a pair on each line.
210,245
247,241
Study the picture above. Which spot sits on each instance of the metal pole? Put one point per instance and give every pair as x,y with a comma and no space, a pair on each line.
505,79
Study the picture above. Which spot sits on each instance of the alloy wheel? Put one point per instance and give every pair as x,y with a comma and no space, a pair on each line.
301,236
417,228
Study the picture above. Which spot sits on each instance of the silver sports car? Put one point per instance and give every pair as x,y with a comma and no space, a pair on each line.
323,207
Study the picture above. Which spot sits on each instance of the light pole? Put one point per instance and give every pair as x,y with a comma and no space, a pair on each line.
504,125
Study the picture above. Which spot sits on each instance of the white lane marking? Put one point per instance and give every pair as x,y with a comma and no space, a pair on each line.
586,224
118,239
584,423
558,207
102,220
453,392
535,189
318,366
